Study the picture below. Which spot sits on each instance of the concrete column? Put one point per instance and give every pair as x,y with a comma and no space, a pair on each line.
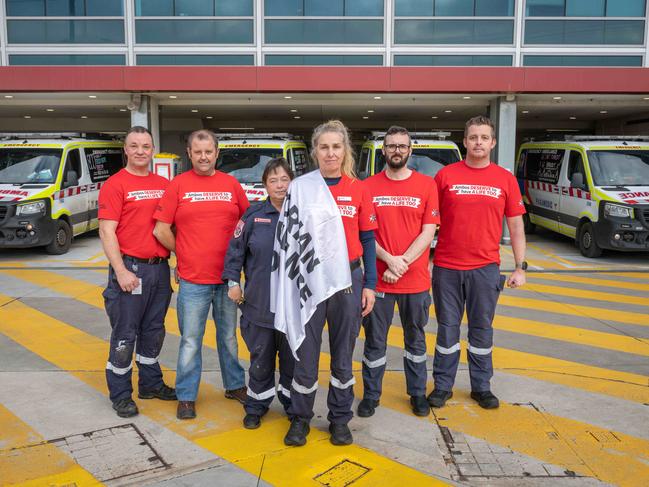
502,112
144,112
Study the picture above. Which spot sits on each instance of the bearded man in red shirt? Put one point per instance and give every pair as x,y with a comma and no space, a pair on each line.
474,196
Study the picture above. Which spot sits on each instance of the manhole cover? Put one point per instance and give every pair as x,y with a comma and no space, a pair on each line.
112,453
343,474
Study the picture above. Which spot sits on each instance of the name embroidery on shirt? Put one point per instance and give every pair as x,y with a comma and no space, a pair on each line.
195,196
476,190
344,198
407,201
262,220
145,194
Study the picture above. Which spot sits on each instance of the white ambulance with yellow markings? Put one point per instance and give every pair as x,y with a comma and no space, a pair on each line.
594,189
49,187
431,151
245,156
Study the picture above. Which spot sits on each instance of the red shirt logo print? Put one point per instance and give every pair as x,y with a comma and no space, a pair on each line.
476,190
197,196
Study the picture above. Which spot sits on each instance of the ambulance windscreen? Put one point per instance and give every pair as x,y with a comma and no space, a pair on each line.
425,161
619,167
247,165
21,166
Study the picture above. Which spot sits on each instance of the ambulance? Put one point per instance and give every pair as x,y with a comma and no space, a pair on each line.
49,187
245,156
594,189
430,152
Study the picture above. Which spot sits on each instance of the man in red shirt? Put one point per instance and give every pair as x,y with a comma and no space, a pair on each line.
407,211
204,205
138,291
474,195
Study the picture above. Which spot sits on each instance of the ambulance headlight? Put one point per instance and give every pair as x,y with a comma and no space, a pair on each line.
32,208
618,211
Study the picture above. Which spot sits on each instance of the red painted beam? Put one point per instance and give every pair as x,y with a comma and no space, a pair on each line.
329,79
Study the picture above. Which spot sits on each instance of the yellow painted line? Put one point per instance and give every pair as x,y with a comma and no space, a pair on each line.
71,349
635,286
554,257
27,459
587,294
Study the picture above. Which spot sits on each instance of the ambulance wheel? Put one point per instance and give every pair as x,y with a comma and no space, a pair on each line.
62,239
528,226
587,243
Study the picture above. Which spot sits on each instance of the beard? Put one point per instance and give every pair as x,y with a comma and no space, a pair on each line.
397,165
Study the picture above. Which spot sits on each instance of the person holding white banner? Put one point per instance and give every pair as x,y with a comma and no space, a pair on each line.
327,225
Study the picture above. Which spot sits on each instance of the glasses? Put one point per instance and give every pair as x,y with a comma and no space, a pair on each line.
394,147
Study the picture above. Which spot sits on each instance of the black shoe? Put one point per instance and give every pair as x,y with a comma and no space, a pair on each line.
296,435
420,405
164,392
240,394
125,408
438,398
367,408
251,421
485,399
340,434
186,410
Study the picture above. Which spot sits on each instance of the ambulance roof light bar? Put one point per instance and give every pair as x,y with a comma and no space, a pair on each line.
440,135
227,136
585,138
56,135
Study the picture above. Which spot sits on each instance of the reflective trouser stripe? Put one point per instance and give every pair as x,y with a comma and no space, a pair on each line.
262,395
283,390
372,364
118,370
339,385
479,351
303,390
414,358
448,351
145,360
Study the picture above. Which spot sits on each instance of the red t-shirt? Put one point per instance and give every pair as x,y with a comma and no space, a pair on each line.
130,200
402,207
356,210
472,204
205,210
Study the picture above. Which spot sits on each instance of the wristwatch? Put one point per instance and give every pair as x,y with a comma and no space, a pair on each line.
522,265
232,283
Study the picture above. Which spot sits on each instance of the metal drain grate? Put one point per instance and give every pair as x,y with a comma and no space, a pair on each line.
112,453
342,474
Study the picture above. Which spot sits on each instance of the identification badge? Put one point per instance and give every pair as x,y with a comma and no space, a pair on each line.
380,295
138,289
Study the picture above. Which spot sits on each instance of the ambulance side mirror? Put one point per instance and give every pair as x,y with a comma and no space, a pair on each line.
577,181
71,179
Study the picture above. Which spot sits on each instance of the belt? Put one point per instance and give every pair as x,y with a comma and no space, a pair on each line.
354,264
150,260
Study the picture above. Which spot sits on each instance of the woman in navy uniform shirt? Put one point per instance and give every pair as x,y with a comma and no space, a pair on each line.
251,249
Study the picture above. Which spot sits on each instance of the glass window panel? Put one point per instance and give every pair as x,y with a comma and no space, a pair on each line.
533,60
234,8
587,32
64,7
195,60
67,59
364,8
283,7
318,7
625,8
624,32
65,31
25,7
453,7
458,60
494,8
193,31
585,8
413,8
323,60
545,8
154,8
104,7
194,7
324,31
454,32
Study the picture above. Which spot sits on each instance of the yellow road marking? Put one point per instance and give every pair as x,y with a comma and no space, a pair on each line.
635,275
72,349
586,294
588,280
27,459
554,257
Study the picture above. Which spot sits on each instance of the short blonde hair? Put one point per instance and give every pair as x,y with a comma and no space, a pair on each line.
337,127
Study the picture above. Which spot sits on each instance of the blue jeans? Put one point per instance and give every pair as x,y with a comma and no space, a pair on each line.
193,305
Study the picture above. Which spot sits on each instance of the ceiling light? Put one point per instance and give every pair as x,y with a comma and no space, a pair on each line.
288,97
525,111
603,111
448,111
466,97
370,111
646,98
236,128
366,118
434,116
84,116
293,110
9,96
194,110
123,110
92,96
27,116
573,118
209,117
49,109
173,97
556,98
297,117
377,97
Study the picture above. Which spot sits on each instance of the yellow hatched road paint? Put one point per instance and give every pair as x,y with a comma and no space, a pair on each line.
555,257
587,294
571,278
72,349
632,387
27,459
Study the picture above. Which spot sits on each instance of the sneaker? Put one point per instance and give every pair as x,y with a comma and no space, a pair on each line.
186,410
438,398
251,421
296,435
340,434
485,399
239,394
164,392
420,406
367,408
125,408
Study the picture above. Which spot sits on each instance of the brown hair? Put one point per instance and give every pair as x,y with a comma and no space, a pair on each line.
202,134
337,127
480,120
275,164
395,129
